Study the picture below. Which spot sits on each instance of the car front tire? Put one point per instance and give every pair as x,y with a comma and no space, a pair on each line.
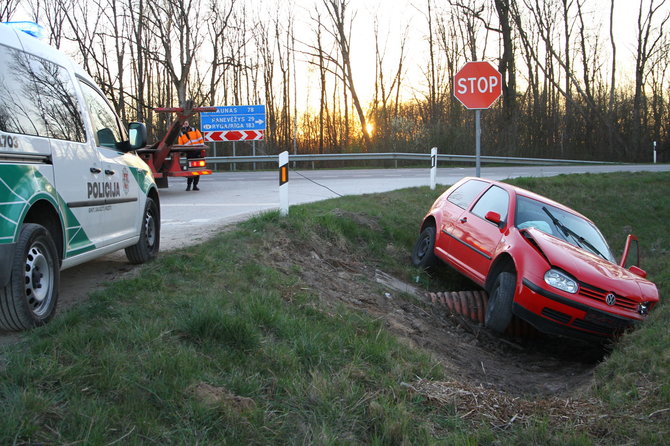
499,308
29,299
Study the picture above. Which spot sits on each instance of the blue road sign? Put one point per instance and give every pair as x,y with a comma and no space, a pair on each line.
234,117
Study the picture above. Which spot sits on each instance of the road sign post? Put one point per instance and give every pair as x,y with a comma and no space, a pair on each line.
477,86
433,167
283,184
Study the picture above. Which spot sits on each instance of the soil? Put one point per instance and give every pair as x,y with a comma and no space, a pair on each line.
480,364
537,366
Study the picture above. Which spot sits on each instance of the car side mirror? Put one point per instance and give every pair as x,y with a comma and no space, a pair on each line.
638,271
137,133
493,217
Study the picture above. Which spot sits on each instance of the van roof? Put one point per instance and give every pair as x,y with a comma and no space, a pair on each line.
14,38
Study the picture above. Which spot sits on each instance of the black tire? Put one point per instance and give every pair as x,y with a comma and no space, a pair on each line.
499,309
149,243
423,254
29,299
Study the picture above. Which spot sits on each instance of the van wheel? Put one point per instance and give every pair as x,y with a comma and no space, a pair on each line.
147,247
499,309
29,299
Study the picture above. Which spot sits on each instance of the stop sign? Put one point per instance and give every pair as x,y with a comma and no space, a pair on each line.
477,85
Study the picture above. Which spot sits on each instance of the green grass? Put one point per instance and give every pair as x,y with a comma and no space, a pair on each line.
235,314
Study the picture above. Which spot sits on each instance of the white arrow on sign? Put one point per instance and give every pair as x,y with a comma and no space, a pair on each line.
259,121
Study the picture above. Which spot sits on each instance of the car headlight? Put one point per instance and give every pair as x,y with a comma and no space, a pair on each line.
560,280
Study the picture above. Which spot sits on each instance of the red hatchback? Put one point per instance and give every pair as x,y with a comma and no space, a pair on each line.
537,259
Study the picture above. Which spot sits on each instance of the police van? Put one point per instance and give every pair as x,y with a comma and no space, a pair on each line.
71,186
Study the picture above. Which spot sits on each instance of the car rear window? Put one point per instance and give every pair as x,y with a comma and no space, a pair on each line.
466,193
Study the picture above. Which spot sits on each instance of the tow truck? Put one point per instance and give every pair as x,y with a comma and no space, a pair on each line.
168,159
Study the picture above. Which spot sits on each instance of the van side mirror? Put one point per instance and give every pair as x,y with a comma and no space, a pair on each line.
137,133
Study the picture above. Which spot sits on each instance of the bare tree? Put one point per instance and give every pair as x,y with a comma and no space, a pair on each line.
649,38
7,9
337,11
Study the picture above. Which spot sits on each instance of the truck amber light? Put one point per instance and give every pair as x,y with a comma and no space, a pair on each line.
200,163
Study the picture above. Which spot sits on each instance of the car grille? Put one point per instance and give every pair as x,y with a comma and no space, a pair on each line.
556,315
600,295
586,325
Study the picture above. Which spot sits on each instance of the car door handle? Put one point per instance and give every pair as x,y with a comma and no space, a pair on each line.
95,170
464,219
109,172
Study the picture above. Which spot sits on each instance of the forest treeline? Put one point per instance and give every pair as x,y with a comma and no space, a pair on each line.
566,93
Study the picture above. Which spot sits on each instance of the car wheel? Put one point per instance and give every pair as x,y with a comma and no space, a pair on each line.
423,254
499,308
29,299
147,247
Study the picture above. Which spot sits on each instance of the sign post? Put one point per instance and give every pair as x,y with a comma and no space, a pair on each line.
477,86
283,184
433,167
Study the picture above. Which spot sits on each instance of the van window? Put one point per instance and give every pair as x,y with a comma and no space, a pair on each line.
20,110
37,98
106,127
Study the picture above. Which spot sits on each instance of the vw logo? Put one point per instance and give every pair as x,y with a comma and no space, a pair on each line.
610,299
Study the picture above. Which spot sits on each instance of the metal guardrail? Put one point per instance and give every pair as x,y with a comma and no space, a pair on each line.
396,157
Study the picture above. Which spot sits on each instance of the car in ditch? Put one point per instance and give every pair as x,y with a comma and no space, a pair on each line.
537,259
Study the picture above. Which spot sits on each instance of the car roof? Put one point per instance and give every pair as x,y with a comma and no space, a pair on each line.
515,190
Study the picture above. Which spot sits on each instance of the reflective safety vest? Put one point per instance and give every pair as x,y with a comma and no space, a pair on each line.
191,138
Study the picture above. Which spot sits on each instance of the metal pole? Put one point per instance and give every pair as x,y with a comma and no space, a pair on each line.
233,166
253,149
478,137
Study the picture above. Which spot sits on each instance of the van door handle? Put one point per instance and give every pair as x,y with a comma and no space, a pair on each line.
95,170
464,220
109,172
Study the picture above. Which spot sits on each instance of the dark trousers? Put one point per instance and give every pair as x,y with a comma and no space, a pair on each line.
192,181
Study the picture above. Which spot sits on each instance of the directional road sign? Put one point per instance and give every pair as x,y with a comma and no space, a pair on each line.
234,123
477,85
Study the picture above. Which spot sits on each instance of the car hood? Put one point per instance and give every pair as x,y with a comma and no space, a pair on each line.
592,269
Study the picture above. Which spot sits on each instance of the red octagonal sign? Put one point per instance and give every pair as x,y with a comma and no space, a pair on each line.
477,85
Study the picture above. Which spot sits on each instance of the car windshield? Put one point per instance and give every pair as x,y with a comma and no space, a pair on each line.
564,225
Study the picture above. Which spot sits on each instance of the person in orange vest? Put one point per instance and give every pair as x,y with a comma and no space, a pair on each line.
190,136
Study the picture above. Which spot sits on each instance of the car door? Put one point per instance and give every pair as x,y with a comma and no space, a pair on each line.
458,202
475,238
121,213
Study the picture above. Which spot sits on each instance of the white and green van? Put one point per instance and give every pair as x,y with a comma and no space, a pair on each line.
71,187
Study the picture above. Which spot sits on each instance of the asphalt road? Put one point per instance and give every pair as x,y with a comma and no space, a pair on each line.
227,197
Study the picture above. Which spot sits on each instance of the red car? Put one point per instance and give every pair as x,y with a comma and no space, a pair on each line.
537,259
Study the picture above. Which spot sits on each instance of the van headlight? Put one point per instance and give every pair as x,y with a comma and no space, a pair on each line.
560,280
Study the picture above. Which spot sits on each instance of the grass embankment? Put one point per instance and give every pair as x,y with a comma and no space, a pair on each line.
223,344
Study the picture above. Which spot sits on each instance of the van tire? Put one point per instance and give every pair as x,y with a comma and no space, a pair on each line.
29,299
147,247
